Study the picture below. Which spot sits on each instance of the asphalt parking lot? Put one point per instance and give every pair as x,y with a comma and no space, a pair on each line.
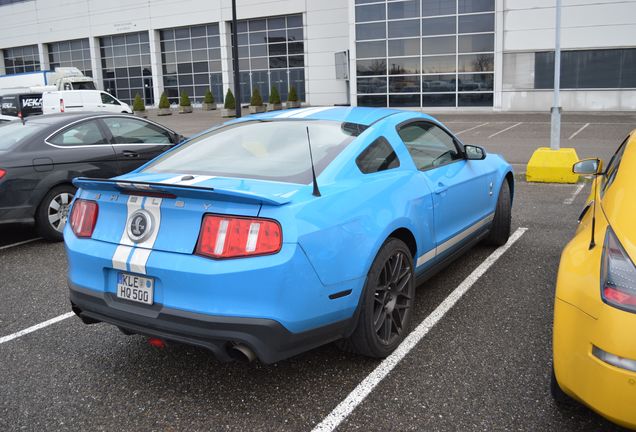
484,365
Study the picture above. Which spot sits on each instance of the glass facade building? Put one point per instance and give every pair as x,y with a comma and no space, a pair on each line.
425,53
21,59
126,66
75,53
414,54
271,53
191,62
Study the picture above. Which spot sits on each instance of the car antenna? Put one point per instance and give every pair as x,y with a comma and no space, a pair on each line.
592,242
316,192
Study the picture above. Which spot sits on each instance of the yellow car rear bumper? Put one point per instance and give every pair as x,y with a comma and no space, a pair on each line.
607,389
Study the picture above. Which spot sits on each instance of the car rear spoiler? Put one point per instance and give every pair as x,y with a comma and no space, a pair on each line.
184,191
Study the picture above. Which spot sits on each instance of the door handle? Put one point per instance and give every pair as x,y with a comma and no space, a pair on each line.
441,188
130,154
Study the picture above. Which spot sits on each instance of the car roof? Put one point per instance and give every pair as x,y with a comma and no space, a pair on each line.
358,115
52,119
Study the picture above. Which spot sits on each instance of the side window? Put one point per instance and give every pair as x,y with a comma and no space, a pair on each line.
429,145
85,133
108,99
612,166
132,131
378,156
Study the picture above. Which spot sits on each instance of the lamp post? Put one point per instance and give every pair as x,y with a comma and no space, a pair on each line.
235,60
555,129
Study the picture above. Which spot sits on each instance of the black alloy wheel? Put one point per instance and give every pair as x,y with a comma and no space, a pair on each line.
392,298
386,303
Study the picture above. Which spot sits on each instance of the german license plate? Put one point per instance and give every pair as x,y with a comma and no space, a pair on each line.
135,288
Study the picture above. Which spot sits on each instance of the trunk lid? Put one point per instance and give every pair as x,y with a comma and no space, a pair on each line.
175,205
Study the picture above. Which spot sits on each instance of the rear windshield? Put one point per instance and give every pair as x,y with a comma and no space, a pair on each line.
13,133
269,150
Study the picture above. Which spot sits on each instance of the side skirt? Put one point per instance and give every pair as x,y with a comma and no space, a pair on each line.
456,253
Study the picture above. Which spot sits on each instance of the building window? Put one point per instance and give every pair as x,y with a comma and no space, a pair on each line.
21,59
587,69
126,66
74,53
425,53
191,62
271,53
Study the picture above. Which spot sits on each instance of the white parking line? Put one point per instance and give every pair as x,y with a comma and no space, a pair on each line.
35,327
346,407
578,131
504,130
570,200
469,129
20,243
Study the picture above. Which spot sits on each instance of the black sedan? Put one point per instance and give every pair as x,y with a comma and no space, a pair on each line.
40,157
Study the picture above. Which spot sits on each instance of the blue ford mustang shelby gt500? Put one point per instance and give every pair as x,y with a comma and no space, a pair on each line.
231,242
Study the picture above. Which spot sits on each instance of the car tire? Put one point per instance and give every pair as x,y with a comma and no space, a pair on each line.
559,396
53,212
386,303
500,229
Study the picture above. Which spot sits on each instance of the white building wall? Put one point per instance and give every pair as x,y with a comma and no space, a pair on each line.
44,21
523,26
326,32
528,26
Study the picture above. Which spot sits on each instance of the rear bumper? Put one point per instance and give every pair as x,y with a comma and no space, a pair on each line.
267,338
608,390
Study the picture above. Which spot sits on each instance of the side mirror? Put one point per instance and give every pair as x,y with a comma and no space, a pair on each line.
177,138
473,152
587,167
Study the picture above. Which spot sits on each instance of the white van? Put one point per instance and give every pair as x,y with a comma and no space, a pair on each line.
82,100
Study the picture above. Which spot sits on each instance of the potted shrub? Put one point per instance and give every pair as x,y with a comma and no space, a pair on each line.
274,100
256,102
164,105
184,104
292,98
208,101
229,105
139,108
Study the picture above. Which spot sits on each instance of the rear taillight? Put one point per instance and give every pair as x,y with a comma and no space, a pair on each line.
618,275
84,217
233,237
2,173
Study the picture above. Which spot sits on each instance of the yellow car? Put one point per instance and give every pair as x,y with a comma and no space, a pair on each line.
594,337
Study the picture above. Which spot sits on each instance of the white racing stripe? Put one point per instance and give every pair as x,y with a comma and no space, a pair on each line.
140,255
189,182
453,240
357,396
195,180
125,243
291,112
311,111
134,256
425,258
35,327
172,180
